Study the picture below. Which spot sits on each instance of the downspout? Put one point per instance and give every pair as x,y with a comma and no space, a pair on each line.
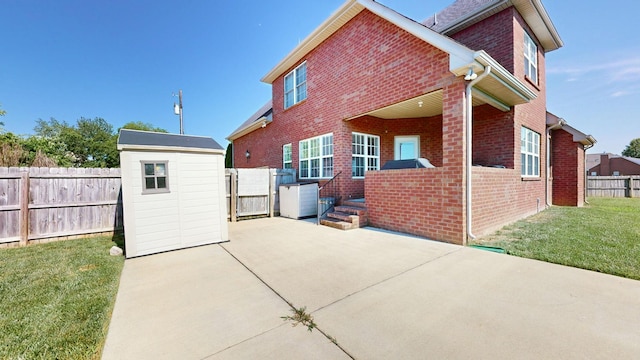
469,113
559,125
586,171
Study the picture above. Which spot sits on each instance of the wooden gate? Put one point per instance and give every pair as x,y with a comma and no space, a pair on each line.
254,192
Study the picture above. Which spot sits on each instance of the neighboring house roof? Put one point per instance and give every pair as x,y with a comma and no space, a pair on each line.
464,13
578,136
147,140
260,119
500,81
593,160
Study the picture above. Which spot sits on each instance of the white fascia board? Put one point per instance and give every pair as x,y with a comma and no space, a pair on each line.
503,75
157,148
260,123
459,55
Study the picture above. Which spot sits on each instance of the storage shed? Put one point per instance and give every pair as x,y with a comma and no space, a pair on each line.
173,191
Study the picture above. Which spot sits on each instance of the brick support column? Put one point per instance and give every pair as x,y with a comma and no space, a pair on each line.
454,157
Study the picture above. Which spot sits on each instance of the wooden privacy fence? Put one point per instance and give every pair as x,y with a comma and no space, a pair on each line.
45,203
613,186
255,192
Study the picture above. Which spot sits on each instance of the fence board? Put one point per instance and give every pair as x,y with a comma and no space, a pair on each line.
60,202
613,186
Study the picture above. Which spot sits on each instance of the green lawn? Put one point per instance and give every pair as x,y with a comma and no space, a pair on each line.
602,236
56,299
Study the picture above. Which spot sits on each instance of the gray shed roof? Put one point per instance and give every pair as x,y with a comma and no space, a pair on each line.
136,138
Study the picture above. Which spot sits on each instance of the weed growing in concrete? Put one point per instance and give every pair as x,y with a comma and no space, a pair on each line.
300,316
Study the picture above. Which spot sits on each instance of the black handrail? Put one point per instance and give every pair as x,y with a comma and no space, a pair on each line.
328,195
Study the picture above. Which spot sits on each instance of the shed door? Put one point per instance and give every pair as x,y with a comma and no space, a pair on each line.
253,192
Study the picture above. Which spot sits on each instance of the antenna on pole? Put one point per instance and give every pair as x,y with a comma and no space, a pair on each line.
177,109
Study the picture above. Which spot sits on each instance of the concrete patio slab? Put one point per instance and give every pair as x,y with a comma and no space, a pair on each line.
380,295
482,305
194,303
314,266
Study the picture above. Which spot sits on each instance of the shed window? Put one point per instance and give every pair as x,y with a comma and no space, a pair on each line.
155,177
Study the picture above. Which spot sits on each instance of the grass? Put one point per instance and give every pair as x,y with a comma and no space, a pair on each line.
56,299
602,236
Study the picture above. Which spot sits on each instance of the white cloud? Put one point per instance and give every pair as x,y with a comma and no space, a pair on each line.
620,93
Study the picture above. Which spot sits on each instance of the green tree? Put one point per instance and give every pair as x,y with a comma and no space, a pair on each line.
228,157
2,113
633,149
139,125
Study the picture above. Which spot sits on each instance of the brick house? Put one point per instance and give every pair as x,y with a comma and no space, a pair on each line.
370,85
614,165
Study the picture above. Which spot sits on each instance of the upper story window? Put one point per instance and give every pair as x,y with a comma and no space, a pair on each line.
316,157
530,59
154,177
286,157
365,154
529,152
295,86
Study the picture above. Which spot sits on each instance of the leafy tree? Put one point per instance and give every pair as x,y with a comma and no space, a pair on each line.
633,149
2,113
228,162
139,125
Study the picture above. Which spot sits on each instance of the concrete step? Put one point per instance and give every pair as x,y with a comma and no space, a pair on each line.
355,203
341,216
337,224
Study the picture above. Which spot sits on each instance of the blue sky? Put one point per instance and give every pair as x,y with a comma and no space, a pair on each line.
122,60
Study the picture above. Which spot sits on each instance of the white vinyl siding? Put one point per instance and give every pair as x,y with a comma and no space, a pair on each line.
295,86
530,153
316,157
530,58
365,154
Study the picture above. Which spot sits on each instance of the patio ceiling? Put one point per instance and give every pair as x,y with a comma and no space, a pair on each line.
425,105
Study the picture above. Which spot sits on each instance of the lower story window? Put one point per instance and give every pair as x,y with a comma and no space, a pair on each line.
316,157
365,154
155,177
530,153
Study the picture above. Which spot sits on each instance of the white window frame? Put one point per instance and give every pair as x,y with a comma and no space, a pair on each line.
316,157
365,154
297,90
287,151
159,186
530,59
529,153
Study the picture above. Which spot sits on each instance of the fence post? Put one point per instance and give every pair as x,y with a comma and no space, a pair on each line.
24,208
630,186
234,195
273,173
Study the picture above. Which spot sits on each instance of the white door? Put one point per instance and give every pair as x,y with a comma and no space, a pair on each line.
406,147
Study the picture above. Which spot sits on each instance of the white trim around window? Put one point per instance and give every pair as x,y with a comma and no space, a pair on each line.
530,59
295,85
365,154
155,177
316,157
529,153
286,156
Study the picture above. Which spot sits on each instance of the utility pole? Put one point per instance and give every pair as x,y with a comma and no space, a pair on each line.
177,109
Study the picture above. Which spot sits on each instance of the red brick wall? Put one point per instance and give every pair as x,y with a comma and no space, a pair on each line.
498,198
493,35
368,64
568,169
609,165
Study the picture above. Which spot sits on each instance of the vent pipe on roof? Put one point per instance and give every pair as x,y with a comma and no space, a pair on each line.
435,19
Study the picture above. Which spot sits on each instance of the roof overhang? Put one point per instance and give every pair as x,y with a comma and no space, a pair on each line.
259,119
459,55
578,136
259,123
532,11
